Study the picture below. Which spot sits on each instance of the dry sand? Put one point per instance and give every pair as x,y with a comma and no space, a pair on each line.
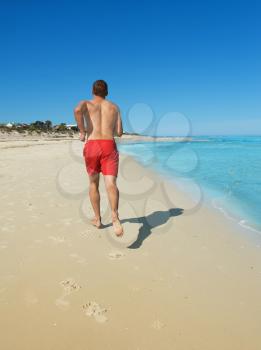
178,279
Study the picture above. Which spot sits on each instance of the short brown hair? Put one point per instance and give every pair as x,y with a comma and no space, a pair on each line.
100,88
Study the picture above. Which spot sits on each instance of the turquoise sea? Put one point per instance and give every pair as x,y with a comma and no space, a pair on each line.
227,168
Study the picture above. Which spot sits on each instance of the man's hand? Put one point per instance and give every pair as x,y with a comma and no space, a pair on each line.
82,136
118,131
79,111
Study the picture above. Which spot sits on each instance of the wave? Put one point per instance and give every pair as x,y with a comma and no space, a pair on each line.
242,222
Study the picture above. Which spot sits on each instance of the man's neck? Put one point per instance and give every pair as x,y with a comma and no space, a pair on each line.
98,99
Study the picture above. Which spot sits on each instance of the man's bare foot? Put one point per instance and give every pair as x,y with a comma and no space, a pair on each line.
96,222
118,229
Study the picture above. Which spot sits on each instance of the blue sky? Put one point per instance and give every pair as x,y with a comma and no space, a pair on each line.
199,58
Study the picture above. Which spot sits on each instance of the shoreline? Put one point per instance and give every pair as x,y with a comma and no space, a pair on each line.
213,198
209,202
232,220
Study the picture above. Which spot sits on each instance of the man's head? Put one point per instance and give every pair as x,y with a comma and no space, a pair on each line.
100,88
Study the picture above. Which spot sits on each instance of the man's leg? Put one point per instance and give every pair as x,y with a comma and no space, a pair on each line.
113,195
95,199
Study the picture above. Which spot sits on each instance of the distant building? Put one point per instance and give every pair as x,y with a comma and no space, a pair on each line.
21,125
9,125
70,126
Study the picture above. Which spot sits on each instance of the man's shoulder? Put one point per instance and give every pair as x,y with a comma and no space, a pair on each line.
89,104
83,103
112,105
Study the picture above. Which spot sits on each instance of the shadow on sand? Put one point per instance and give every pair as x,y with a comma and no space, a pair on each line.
149,222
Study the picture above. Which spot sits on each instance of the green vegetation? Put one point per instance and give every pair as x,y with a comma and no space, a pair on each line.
39,127
47,126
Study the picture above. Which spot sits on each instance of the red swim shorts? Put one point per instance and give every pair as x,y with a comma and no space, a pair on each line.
101,156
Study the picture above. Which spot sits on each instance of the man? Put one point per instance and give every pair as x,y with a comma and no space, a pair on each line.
103,122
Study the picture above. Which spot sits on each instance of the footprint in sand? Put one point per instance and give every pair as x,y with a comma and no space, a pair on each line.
93,309
69,286
58,240
116,255
79,259
158,325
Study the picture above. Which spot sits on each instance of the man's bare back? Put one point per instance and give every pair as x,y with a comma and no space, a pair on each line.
100,120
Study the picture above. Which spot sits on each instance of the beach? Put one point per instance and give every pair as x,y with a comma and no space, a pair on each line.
182,276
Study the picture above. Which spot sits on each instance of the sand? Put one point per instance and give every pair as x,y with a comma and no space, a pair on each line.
180,278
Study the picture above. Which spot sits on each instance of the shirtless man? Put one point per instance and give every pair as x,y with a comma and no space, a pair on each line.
100,152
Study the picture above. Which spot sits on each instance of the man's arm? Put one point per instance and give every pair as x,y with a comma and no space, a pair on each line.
118,128
78,115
